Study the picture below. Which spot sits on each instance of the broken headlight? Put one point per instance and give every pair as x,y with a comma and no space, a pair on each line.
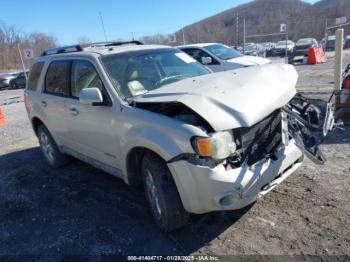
218,146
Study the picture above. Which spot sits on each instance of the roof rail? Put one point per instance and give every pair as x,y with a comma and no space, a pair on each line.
62,49
77,48
101,44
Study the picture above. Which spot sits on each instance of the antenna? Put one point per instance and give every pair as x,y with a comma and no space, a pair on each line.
103,26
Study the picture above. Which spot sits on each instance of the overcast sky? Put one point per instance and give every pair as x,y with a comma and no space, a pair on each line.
69,20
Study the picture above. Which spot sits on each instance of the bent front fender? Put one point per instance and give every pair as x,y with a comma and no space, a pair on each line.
167,144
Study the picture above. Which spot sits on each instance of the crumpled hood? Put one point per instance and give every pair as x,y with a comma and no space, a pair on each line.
249,60
231,99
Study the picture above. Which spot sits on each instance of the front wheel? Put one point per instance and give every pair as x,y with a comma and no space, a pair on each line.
13,85
162,195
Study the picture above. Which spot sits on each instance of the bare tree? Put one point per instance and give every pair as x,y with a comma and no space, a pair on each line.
11,38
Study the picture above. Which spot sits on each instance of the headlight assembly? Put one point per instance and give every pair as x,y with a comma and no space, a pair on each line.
217,146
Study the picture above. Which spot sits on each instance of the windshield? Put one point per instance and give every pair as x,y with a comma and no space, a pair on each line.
305,41
250,48
223,52
136,73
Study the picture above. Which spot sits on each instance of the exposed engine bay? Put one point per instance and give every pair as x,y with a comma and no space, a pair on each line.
305,120
178,111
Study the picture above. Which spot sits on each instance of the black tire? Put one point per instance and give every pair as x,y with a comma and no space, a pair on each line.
49,148
168,211
13,85
343,114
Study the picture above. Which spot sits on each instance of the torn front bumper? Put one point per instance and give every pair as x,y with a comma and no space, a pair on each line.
203,189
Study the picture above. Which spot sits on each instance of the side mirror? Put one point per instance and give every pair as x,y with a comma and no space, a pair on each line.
206,60
90,96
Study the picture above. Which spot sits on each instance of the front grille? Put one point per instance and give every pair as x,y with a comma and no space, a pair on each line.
260,140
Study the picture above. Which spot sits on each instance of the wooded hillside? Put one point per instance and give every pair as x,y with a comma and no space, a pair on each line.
265,17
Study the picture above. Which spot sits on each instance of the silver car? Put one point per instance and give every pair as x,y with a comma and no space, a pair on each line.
152,115
219,57
5,79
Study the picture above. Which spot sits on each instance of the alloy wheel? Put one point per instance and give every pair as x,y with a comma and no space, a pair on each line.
153,195
47,147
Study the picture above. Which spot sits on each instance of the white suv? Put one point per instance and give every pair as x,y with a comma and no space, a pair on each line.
198,141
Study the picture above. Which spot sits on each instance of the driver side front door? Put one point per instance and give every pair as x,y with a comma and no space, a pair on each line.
90,128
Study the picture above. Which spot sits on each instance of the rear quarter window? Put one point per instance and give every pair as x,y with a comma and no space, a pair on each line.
34,76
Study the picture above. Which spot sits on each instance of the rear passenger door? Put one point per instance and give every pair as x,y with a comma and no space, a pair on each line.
51,104
90,127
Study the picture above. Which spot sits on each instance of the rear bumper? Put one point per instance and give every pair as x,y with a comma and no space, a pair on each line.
203,189
301,52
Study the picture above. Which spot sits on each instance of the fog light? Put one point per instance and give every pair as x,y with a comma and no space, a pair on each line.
228,200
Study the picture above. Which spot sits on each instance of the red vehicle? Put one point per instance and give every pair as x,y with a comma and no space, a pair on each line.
346,78
342,99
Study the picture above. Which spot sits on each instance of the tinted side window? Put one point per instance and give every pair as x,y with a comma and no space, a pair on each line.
84,75
57,78
34,76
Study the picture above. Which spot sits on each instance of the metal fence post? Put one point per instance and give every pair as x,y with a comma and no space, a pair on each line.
286,52
243,36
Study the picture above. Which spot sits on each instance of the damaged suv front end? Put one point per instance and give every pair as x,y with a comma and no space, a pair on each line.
255,163
252,131
248,162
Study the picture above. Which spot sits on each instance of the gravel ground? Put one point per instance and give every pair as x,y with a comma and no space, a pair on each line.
79,210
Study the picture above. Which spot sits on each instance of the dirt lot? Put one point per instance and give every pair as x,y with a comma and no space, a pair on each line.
79,210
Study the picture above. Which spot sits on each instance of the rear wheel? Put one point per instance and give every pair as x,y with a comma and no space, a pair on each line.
162,195
49,148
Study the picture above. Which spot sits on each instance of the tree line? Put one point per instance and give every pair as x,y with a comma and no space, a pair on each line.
11,37
261,17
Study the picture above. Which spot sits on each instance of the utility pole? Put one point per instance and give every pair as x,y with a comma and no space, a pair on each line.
326,29
243,36
103,27
286,53
183,37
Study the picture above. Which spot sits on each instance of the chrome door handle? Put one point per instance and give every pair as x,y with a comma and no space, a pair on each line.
44,103
74,111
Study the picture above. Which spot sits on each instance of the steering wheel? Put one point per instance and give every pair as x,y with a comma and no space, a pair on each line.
169,79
